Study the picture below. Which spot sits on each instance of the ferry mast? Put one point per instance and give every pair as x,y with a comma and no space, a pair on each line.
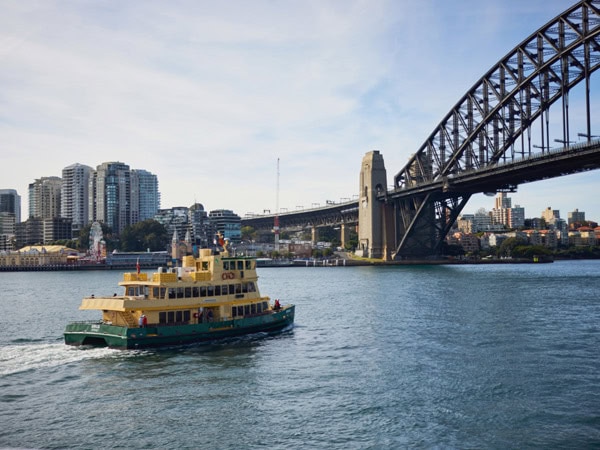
276,221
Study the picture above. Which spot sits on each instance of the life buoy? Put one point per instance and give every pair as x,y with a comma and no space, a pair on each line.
231,275
225,275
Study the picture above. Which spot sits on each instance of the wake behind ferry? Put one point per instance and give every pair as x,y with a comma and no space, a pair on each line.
210,297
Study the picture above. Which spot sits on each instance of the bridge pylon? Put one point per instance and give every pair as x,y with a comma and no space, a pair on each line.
375,224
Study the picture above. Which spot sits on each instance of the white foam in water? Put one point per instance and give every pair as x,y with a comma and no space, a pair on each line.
22,358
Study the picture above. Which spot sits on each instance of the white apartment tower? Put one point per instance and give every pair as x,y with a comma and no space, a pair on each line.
75,195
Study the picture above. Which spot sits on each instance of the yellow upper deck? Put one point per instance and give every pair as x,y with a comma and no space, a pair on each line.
209,279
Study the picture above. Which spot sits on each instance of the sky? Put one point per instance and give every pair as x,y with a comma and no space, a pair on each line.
209,96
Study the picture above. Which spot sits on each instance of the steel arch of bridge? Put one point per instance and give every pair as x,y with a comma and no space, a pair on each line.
492,123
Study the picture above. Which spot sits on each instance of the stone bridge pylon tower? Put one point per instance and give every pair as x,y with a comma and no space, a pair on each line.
374,216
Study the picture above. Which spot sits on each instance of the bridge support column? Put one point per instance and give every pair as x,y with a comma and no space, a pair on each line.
314,236
343,235
373,215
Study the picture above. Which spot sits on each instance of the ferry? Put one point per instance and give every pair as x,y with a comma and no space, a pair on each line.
210,297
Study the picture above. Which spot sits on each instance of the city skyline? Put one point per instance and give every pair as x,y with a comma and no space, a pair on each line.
209,96
489,203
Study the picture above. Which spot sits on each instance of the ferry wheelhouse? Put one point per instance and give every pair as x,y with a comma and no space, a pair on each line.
210,297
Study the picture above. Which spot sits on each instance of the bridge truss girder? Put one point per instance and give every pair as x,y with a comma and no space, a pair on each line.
424,221
493,122
331,215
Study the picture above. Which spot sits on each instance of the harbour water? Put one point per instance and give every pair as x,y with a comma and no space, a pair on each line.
478,356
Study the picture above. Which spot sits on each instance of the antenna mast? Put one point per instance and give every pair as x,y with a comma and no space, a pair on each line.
276,224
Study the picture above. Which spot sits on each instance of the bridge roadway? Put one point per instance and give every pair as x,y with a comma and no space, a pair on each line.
333,214
506,176
502,176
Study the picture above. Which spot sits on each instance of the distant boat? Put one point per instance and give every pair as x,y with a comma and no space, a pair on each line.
211,297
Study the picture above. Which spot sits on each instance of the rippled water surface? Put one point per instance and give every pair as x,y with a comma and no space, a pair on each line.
494,356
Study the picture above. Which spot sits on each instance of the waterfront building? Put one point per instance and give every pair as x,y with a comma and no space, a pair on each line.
10,203
45,198
110,195
38,256
10,215
464,224
30,232
500,211
75,195
200,227
145,196
575,218
227,223
469,242
582,237
550,215
496,239
56,229
175,220
516,217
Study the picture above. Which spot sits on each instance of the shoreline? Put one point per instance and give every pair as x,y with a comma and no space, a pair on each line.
287,264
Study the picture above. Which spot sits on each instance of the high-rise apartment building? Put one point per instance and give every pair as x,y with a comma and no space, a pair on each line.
110,195
145,197
10,203
516,217
75,195
45,198
550,215
10,216
575,217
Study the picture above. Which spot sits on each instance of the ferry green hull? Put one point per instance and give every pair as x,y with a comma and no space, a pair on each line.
119,337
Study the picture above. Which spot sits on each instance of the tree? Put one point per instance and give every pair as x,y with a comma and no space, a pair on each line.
248,233
147,235
507,247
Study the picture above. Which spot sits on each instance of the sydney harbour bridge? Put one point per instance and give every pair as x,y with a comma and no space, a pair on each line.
503,132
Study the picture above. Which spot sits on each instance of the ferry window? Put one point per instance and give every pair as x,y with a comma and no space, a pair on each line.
162,317
246,310
171,292
248,265
210,290
218,290
202,291
179,316
224,289
131,290
238,288
225,265
253,308
234,311
186,316
251,287
170,316
179,292
188,292
240,265
265,306
259,308
155,292
204,265
231,288
195,291
163,292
